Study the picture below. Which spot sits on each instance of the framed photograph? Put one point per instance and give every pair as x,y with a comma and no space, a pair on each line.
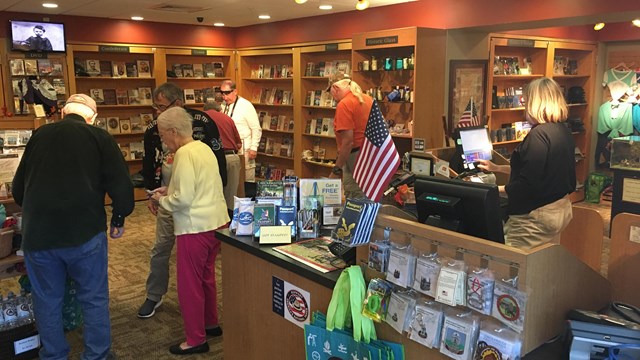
467,81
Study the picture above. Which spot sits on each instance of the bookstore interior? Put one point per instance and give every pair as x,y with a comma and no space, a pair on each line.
423,264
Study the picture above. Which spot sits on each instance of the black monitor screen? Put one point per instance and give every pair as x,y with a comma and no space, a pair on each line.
475,144
474,206
37,36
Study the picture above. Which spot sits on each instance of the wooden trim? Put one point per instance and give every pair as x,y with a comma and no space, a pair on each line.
624,264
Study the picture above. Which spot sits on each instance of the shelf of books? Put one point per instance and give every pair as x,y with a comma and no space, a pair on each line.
518,60
199,71
120,78
397,66
266,79
317,107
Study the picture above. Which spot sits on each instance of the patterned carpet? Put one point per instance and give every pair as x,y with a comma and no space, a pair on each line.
134,338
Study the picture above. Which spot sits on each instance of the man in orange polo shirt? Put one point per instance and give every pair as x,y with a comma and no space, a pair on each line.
349,125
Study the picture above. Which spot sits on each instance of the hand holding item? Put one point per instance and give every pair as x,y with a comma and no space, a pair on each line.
252,154
153,207
116,232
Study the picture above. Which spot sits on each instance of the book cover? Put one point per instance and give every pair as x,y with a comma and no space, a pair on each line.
97,95
270,189
113,125
126,152
264,125
134,97
314,253
137,150
263,215
198,96
17,67
93,67
260,71
131,69
144,94
189,96
109,97
208,94
198,70
209,70
286,147
147,119
105,68
325,126
125,126
119,69
144,68
286,215
326,191
218,69
101,122
269,148
56,67
317,95
309,69
137,125
347,224
122,97
286,97
278,95
262,145
187,70
59,85
177,69
31,67
273,124
283,124
44,66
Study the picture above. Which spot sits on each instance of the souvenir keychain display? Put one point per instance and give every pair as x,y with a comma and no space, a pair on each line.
376,302
400,306
379,253
402,264
459,334
427,271
480,283
426,324
452,283
509,304
497,342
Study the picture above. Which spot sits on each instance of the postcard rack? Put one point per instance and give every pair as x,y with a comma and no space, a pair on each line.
557,280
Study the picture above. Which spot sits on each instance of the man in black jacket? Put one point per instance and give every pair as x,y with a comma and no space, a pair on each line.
61,182
156,170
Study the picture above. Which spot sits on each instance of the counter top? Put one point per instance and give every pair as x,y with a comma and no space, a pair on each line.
266,252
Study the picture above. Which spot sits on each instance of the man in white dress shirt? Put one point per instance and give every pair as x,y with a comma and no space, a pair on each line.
246,119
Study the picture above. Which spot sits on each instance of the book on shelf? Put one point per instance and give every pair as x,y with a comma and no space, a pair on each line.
277,96
314,253
262,145
311,126
122,97
132,69
326,100
286,97
144,94
209,70
269,147
31,67
137,150
137,125
125,126
17,67
44,67
109,97
310,69
343,66
126,152
560,65
277,145
101,122
134,96
327,127
113,125
218,69
198,70
287,147
187,70
260,72
263,123
290,125
189,96
92,67
209,94
177,70
198,96
282,123
273,125
317,96
144,68
321,68
59,85
147,119
97,95
318,130
105,68
119,69
56,67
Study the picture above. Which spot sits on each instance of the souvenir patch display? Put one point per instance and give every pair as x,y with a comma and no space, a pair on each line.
426,324
480,283
401,267
459,334
509,305
426,277
399,309
497,342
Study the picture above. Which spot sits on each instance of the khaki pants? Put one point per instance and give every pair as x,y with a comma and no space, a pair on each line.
351,188
158,280
540,226
233,179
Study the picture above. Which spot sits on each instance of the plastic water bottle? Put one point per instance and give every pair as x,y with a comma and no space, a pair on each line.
22,307
10,312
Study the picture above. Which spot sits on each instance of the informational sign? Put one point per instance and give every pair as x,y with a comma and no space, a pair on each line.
631,190
291,302
113,49
275,234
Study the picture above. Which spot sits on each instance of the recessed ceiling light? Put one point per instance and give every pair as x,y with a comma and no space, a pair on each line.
218,24
264,17
137,18
598,26
636,22
325,7
50,5
301,1
362,4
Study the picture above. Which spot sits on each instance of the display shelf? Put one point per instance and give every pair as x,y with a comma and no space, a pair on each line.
277,131
322,164
275,156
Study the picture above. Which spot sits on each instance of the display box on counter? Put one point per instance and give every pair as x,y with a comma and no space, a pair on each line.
625,153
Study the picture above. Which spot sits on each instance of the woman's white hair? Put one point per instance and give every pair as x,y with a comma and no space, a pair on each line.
176,118
80,109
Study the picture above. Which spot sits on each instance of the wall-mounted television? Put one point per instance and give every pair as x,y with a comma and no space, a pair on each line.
37,36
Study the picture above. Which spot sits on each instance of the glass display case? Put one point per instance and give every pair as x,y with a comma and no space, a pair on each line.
625,153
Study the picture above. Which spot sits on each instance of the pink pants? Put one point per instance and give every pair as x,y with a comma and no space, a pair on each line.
196,264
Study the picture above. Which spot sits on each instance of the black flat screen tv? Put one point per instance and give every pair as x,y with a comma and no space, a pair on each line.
462,206
37,36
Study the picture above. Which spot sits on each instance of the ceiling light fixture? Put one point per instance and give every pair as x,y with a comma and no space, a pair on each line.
598,26
362,4
325,7
636,22
301,1
264,17
50,5
137,18
218,24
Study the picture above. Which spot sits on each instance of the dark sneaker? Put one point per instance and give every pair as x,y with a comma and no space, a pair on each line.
216,331
148,309
177,350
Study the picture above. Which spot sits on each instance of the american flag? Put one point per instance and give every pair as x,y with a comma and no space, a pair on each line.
378,159
470,116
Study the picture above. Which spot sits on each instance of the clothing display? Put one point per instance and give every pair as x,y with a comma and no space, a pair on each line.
615,118
626,76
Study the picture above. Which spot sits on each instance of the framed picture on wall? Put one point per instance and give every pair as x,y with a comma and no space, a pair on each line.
467,83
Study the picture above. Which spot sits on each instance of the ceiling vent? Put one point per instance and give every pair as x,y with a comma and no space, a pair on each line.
178,8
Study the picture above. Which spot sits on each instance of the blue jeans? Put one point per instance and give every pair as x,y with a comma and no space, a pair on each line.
87,265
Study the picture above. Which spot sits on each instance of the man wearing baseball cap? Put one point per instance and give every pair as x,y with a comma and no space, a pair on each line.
66,170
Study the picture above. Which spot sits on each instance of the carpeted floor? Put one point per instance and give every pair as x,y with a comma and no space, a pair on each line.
134,338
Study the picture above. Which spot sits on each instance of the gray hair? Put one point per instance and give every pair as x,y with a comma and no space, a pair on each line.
232,85
79,109
212,104
169,91
176,118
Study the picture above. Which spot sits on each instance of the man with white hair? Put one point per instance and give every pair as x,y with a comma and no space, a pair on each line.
66,170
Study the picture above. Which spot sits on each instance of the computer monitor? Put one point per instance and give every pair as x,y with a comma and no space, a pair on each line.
474,143
462,206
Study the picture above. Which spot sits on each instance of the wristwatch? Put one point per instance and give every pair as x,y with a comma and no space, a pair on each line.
336,170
